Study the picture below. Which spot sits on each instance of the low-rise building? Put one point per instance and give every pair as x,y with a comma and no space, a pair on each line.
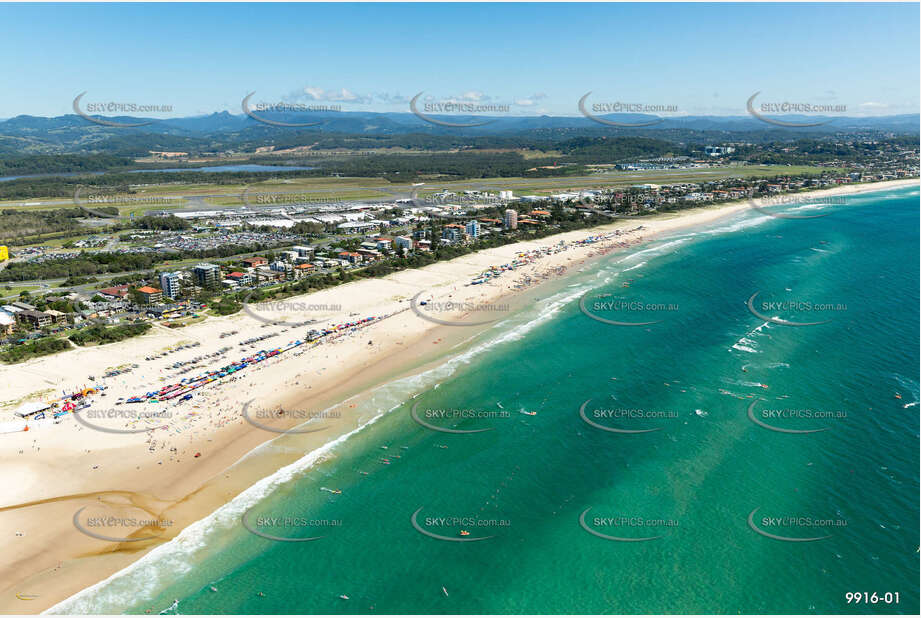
404,242
453,232
302,270
265,274
149,295
351,257
370,255
239,278
35,319
118,291
257,260
58,317
358,227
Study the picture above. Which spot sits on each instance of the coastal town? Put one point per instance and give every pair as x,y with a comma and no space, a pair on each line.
312,245
550,326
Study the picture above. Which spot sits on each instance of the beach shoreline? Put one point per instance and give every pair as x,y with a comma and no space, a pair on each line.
69,466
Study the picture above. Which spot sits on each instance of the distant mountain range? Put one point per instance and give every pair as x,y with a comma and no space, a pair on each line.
223,130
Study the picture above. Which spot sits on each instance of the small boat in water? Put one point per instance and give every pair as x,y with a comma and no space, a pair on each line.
344,597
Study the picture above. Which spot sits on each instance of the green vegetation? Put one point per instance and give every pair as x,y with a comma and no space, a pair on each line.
618,149
562,221
32,349
225,306
73,281
102,334
60,164
169,222
102,262
23,227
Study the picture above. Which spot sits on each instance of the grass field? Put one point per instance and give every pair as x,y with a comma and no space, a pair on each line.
357,188
197,196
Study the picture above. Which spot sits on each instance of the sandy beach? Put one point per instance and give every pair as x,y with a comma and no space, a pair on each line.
173,462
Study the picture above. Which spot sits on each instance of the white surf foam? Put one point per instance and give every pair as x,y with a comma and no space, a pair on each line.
144,578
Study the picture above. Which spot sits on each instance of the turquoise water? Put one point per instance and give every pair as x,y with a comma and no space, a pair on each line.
693,482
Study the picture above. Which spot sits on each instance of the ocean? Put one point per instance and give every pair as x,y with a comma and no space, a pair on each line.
726,423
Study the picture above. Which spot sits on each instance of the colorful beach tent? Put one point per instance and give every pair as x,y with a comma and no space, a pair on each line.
28,409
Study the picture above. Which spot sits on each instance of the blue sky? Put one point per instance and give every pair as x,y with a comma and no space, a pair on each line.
536,58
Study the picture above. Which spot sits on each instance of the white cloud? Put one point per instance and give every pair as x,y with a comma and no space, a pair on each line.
342,95
393,99
314,93
473,96
531,100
